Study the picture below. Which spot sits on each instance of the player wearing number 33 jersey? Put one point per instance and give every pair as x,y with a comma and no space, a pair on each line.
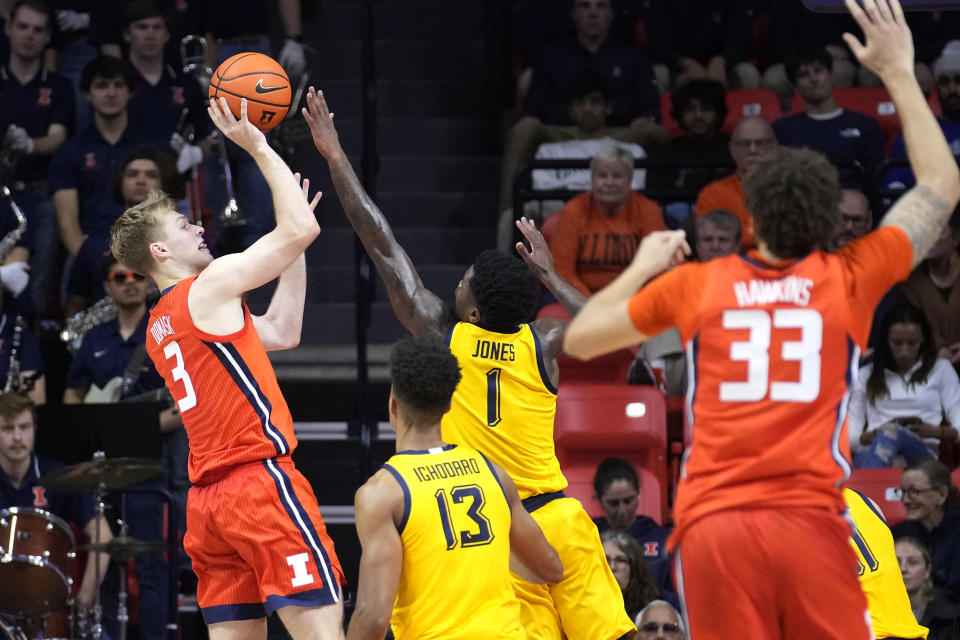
245,485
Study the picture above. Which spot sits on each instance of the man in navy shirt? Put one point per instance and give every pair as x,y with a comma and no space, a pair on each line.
852,141
82,170
36,114
20,473
105,353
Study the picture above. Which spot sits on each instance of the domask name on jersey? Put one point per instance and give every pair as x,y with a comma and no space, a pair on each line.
161,328
789,290
494,351
429,472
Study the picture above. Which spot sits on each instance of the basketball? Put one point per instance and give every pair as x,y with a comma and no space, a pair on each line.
258,78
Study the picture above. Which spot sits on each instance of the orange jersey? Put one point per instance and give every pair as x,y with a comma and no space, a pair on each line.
771,352
727,193
224,387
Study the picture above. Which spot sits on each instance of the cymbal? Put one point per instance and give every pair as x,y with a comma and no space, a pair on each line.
110,473
124,547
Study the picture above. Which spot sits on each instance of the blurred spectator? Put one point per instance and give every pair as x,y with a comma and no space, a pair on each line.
633,99
82,169
659,620
932,32
599,231
946,70
855,218
933,518
711,41
700,108
169,100
932,287
36,114
899,401
931,609
141,170
74,47
108,24
20,473
852,141
797,29
752,141
617,487
589,107
628,567
717,233
112,357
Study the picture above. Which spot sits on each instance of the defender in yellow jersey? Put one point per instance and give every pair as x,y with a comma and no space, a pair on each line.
438,522
879,570
506,402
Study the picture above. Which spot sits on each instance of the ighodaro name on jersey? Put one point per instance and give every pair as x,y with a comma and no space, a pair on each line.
789,290
161,328
429,472
494,351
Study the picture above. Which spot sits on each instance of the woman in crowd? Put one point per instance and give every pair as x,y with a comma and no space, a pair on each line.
629,568
931,609
899,401
933,518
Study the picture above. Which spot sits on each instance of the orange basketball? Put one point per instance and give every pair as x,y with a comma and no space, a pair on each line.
259,79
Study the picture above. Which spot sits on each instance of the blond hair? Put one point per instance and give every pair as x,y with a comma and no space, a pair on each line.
132,233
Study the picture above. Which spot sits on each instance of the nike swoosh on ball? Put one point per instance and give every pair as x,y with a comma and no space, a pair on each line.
262,89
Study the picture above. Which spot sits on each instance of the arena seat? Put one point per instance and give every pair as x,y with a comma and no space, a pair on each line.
549,225
580,479
611,368
955,477
740,103
629,421
883,487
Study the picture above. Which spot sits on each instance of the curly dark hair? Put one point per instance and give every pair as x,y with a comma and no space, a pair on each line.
611,470
793,196
108,68
808,56
424,373
709,92
170,181
883,359
505,289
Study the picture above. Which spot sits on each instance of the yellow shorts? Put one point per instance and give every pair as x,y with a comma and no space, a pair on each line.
587,604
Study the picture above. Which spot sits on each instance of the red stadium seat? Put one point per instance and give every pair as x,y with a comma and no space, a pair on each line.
608,369
580,478
740,103
955,477
553,310
549,225
883,487
596,421
872,101
751,102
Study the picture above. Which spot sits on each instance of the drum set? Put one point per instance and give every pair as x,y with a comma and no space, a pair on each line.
38,556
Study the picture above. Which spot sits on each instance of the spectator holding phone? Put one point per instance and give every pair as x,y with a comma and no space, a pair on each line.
899,402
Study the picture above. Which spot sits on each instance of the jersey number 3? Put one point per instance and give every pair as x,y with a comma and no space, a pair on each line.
755,351
189,400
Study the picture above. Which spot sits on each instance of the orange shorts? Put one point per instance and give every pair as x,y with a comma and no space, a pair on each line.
258,543
770,574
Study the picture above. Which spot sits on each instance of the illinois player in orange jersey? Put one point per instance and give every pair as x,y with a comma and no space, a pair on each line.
772,342
254,531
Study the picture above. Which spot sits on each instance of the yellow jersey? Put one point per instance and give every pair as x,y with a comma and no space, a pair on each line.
879,571
505,405
455,533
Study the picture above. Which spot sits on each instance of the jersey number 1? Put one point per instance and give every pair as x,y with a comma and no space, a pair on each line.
188,401
755,351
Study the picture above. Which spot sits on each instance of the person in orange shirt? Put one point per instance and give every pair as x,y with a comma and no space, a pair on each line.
773,339
599,231
752,140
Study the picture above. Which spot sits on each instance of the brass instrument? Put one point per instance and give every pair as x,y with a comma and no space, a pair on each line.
80,323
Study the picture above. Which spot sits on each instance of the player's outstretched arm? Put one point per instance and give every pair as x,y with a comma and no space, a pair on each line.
420,311
280,327
888,52
231,276
378,506
604,324
531,556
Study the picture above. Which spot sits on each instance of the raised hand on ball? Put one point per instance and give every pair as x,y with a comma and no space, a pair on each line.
240,131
